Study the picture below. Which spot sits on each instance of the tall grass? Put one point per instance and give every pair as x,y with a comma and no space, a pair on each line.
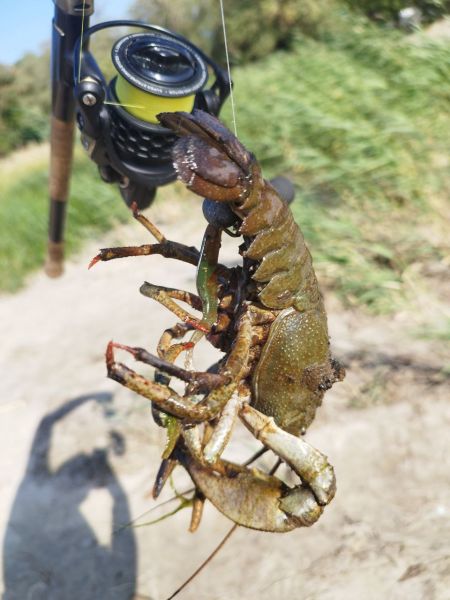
360,121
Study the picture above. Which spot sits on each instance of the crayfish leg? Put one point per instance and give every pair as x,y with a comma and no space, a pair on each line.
169,350
222,431
166,296
167,249
164,397
198,502
149,226
164,472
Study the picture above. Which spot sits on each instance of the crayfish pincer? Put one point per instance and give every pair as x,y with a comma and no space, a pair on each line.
267,317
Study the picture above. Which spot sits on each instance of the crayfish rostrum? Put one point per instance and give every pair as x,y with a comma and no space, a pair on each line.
268,318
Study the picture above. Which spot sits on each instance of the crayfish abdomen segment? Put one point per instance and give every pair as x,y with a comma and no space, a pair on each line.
285,272
294,369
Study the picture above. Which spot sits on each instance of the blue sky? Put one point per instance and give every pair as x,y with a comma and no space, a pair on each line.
25,24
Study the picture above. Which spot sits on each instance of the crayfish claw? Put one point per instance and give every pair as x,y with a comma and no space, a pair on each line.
201,124
300,504
311,465
251,498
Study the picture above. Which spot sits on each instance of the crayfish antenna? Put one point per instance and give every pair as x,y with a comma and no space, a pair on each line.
205,562
153,508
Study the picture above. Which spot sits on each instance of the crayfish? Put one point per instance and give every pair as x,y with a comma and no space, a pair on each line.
267,316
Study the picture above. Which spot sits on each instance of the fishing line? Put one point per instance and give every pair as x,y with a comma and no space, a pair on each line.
205,562
81,44
83,16
124,105
228,67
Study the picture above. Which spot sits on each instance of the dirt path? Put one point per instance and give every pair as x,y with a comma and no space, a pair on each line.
79,455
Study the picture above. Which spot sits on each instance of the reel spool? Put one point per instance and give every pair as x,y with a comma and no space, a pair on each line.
157,71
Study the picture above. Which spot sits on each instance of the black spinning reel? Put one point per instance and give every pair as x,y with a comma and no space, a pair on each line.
157,70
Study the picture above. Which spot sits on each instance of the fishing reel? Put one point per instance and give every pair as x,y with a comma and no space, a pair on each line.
157,71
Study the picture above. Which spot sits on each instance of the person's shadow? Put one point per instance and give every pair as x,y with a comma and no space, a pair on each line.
50,551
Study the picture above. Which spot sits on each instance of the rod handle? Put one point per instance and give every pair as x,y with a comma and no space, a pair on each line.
61,144
54,262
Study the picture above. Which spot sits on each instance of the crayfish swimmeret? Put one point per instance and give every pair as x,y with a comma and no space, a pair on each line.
267,317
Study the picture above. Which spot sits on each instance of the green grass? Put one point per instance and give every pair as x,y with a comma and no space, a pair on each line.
360,121
93,207
439,332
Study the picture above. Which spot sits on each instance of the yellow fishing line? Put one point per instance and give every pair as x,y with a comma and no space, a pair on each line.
146,106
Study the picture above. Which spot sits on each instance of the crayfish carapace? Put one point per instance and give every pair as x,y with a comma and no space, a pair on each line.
268,318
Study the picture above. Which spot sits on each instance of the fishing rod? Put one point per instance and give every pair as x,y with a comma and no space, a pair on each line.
157,71
67,24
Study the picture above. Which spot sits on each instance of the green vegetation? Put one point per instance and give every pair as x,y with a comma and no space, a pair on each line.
25,95
24,102
94,207
254,27
360,121
387,10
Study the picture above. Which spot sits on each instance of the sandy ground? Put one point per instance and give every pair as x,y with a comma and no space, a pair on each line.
79,454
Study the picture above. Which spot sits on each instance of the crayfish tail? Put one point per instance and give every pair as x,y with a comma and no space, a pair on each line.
208,158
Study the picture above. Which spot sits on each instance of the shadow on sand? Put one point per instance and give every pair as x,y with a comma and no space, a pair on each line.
50,550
